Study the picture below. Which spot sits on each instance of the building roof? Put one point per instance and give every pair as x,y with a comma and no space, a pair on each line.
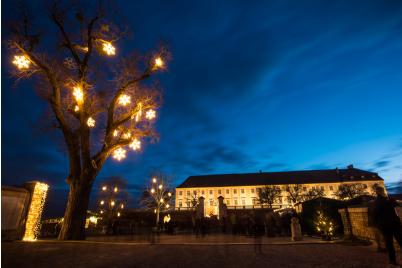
278,178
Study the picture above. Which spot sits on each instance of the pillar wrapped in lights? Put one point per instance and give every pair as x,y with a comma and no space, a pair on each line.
33,222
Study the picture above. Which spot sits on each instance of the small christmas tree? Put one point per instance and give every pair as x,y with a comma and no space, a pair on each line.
324,225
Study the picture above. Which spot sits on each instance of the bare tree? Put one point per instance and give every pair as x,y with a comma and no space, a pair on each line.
313,193
294,192
100,107
350,190
158,196
268,195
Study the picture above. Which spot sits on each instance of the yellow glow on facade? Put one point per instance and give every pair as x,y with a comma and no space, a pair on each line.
135,145
32,226
22,62
91,122
150,114
78,94
119,154
124,99
108,48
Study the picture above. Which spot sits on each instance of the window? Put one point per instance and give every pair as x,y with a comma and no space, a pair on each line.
202,192
211,192
235,191
331,187
322,188
242,191
258,190
305,188
243,202
188,192
365,186
313,188
188,203
180,204
219,191
228,202
211,202
252,190
194,192
235,201
254,201
180,192
227,191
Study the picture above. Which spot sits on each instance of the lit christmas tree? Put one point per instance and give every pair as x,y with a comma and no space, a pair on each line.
324,225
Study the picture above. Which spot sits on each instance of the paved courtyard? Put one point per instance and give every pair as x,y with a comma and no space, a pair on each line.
119,252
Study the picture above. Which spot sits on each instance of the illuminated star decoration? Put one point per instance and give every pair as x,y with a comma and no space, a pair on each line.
78,94
90,122
22,62
158,63
124,99
150,114
119,154
135,144
126,135
108,48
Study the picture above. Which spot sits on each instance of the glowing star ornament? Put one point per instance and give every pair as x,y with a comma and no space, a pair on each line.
78,94
158,64
127,135
22,62
135,145
124,99
119,154
150,114
109,49
115,133
91,122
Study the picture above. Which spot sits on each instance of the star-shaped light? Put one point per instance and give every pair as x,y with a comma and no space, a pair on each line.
119,154
108,48
78,94
135,145
126,135
150,114
91,122
124,99
158,63
21,61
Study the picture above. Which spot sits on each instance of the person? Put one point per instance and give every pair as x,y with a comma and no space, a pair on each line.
388,222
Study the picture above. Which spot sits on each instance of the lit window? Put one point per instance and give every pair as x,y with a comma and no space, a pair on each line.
322,188
180,204
235,191
235,202
228,202
331,187
219,191
243,202
252,190
202,192
227,191
242,191
305,188
211,192
211,202
180,192
188,192
194,192
254,201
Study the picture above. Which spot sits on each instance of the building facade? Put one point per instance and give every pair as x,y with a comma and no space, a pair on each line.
240,191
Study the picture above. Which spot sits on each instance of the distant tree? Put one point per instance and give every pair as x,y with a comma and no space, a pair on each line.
350,190
112,198
158,195
313,193
268,195
295,193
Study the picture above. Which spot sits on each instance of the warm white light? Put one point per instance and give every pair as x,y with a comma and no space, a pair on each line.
150,114
160,186
78,94
167,206
101,212
169,194
122,206
158,63
102,202
93,219
139,113
126,135
32,226
108,48
76,108
118,214
115,189
21,61
104,188
115,133
152,190
154,180
112,203
161,200
119,154
91,122
124,99
135,145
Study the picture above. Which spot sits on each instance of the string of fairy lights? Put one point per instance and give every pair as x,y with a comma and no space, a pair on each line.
33,223
23,62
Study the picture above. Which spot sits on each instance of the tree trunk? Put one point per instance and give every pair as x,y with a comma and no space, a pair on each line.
157,217
76,211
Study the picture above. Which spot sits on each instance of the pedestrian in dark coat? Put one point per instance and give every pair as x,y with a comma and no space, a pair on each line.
388,222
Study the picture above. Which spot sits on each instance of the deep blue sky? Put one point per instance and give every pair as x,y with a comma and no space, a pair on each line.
269,86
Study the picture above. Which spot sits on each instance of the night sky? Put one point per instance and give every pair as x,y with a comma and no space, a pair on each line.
252,86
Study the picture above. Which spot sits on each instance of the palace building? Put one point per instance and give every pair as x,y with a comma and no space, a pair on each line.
240,191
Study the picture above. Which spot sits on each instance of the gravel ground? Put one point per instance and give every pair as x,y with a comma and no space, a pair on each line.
109,254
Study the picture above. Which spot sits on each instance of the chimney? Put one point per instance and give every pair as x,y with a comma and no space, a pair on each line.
350,166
